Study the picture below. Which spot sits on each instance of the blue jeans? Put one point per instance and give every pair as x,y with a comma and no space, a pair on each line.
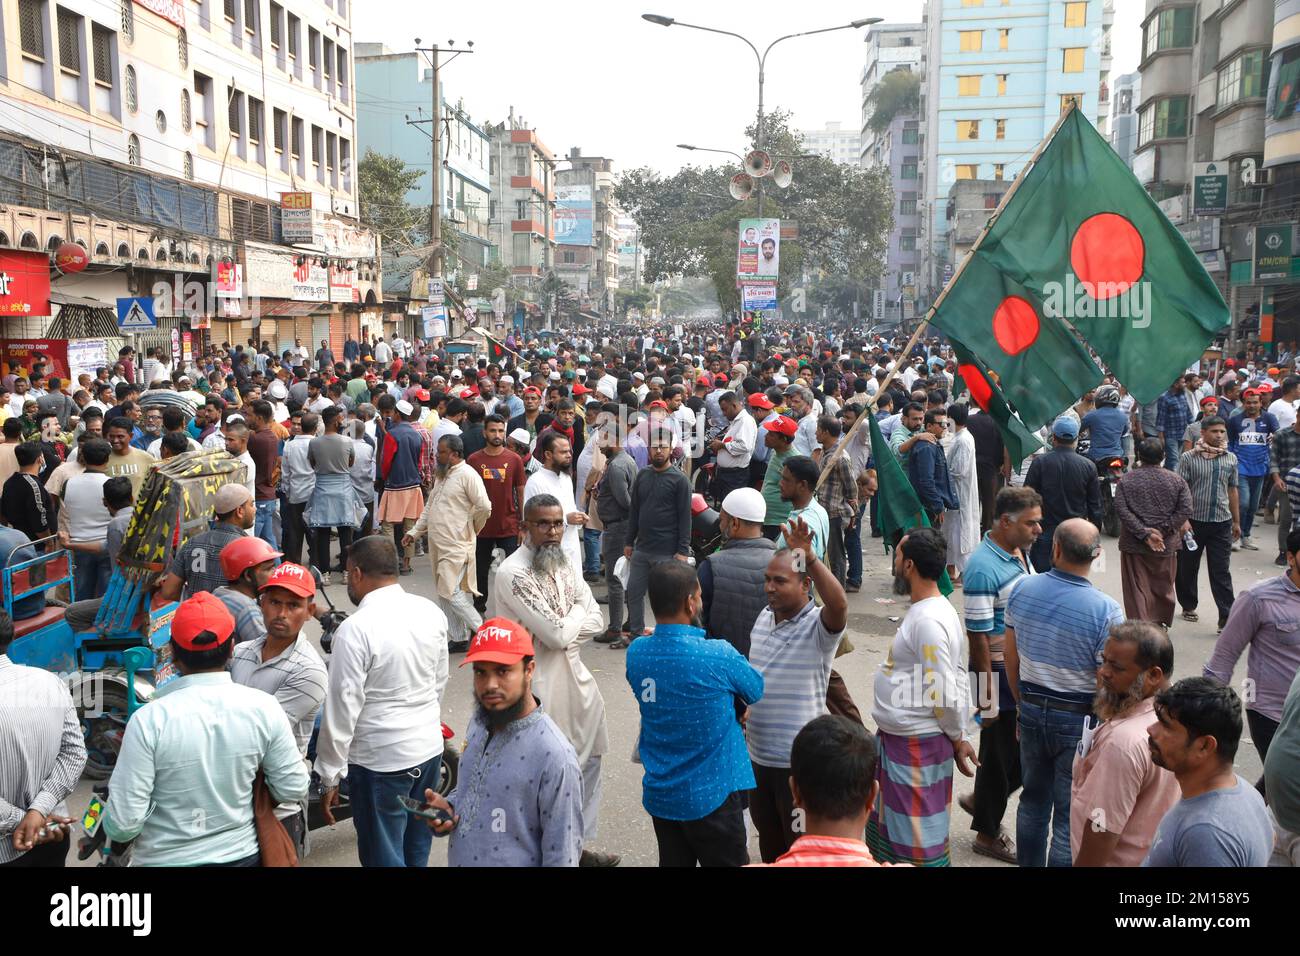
1173,451
1048,738
853,545
91,574
1251,490
590,551
264,526
386,834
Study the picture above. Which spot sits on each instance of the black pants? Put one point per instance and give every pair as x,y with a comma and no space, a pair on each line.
715,840
47,854
295,533
322,536
998,775
987,480
1213,539
757,471
483,563
727,480
771,531
836,554
368,525
1040,555
1262,730
771,807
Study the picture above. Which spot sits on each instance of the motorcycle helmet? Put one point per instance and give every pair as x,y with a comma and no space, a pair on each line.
238,556
1106,395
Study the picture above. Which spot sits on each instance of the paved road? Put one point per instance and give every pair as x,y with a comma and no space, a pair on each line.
624,826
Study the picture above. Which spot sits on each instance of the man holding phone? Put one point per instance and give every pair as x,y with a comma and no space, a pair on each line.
517,766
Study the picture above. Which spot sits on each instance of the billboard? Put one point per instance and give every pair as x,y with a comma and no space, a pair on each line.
758,252
297,220
573,215
760,295
24,283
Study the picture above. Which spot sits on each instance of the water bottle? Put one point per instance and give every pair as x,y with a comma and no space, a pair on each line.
1189,542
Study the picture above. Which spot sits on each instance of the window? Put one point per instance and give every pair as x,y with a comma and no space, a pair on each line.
972,3
909,171
1163,119
230,10
69,42
968,129
907,207
276,12
294,30
133,150
345,162
1002,84
907,243
183,48
521,208
991,200
1068,98
970,41
128,20
911,135
1001,127
102,53
277,129
187,115
160,121
1076,14
523,253
1244,77
1168,30
234,112
312,46
1286,92
250,17
31,28
998,171
327,51
1072,59
132,93
521,162
1004,38
570,256
295,140
968,85
968,171
189,165
254,120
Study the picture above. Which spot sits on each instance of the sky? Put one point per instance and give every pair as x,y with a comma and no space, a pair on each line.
593,74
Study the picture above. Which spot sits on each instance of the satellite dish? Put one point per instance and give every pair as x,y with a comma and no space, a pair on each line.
782,174
742,186
758,163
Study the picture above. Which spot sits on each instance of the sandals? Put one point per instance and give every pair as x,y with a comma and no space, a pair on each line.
1002,849
1191,616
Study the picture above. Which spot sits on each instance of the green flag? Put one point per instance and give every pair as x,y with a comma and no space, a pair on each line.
898,509
1098,255
974,377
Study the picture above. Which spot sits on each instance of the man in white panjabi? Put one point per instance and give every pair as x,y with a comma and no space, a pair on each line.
554,478
961,528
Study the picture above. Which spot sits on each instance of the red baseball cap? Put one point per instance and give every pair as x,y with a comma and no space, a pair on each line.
581,389
203,613
782,425
704,380
720,379
533,389
422,394
500,641
759,400
658,404
1251,391
292,577
1209,400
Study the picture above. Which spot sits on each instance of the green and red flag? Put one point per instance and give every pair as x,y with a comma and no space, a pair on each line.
973,377
898,509
1097,257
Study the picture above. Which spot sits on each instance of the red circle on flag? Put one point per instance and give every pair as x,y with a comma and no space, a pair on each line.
977,384
1108,255
1015,325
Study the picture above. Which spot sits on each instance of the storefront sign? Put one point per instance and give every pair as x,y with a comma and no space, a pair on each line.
86,355
230,280
297,220
20,354
24,283
342,284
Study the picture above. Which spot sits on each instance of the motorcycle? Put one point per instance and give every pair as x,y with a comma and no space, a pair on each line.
1110,470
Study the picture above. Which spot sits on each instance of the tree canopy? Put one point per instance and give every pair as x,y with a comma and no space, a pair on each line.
899,91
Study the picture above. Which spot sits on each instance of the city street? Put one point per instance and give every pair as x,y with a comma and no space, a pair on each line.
625,828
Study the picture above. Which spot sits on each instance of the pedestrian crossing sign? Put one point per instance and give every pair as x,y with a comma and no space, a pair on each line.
136,313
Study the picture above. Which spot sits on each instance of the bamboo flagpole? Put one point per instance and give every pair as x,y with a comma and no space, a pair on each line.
493,339
943,294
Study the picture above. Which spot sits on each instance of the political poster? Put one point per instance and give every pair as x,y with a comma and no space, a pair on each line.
758,252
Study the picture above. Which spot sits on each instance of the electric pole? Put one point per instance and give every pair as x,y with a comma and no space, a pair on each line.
438,253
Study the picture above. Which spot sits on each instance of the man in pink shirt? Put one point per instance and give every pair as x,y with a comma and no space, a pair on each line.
1118,796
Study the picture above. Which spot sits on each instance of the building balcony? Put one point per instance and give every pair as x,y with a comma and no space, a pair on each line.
527,182
527,225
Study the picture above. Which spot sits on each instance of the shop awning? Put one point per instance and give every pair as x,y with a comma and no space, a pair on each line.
81,318
285,308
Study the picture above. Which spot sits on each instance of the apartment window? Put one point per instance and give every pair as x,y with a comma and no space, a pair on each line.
907,207
1072,60
317,152
521,163
968,85
331,157
972,3
521,208
1000,127
295,140
1004,38
188,166
187,115
907,243
69,42
968,129
132,90
276,12
327,52
1002,84
909,171
991,200
250,17
970,41
254,120
998,171
345,163
968,171
230,10
277,129
1076,14
1163,119
102,53
128,20
183,48
1068,98
312,44
31,28
522,247
911,135
235,112
133,150
1244,77
342,72
294,29
570,256
1169,29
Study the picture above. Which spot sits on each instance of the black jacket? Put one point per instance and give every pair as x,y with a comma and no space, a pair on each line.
1068,484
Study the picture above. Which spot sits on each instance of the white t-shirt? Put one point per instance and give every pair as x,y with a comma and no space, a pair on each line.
1284,412
922,687
83,496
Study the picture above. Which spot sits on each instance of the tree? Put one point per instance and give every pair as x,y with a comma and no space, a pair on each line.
382,185
898,92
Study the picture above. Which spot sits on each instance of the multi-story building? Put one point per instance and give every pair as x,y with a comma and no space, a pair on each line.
1124,100
630,256
522,211
587,236
394,96
1204,84
997,77
836,144
1282,150
890,47
161,135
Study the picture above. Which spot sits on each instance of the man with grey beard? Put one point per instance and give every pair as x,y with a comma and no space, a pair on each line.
1118,795
538,588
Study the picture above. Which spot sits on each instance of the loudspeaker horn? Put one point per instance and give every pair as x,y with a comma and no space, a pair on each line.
782,174
758,163
742,186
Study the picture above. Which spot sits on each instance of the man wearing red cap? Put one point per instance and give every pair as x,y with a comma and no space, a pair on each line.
518,797
193,752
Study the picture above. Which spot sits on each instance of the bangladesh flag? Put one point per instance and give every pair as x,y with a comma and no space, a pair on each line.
984,392
1095,253
898,509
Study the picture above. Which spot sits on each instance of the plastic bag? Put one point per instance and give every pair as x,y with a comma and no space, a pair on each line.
623,570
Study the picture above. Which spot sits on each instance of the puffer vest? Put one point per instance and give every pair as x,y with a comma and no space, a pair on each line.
738,594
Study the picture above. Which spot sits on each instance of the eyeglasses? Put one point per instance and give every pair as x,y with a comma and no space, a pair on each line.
548,525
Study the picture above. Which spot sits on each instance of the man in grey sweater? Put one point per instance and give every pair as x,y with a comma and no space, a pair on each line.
613,504
658,526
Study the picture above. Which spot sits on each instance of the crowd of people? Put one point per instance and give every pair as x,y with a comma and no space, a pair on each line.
564,477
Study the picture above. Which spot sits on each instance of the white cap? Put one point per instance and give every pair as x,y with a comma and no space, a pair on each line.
555,376
639,375
507,379
606,389
521,436
456,373
780,380
277,391
582,373
405,407
747,504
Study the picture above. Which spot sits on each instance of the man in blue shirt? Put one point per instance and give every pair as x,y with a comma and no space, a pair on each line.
1173,415
1106,425
691,745
1250,429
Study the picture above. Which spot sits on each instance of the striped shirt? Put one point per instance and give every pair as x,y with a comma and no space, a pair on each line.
1293,494
295,677
198,561
1209,480
249,625
1061,622
990,576
794,656
42,750
1284,451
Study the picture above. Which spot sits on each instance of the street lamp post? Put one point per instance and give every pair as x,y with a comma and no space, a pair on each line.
762,62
